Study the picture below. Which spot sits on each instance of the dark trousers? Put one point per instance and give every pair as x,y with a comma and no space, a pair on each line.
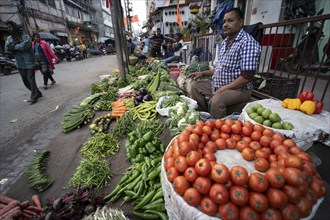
155,52
28,77
47,73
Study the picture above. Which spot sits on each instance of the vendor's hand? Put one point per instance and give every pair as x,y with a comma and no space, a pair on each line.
196,75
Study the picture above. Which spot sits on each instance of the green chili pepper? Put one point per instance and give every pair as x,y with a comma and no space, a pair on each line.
132,184
159,194
146,215
126,199
139,190
161,215
145,200
153,174
130,193
156,207
156,160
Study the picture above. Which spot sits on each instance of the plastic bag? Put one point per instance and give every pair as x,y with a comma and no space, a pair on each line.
166,111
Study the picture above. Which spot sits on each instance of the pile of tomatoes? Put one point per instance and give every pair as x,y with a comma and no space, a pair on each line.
286,186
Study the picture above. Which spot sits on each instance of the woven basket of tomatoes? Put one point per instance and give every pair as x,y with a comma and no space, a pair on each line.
236,170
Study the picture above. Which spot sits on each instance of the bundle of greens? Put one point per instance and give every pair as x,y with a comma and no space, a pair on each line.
197,67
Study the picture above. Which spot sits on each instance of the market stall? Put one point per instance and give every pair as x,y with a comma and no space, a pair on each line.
176,157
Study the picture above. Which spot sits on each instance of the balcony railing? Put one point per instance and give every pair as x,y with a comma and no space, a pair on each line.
295,57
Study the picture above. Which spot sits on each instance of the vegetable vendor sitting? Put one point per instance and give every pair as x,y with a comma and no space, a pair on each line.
231,83
176,48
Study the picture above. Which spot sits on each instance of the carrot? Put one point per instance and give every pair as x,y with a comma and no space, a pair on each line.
36,201
24,205
35,209
9,206
5,199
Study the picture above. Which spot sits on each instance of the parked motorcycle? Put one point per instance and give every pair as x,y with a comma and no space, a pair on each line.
60,52
306,54
75,53
6,65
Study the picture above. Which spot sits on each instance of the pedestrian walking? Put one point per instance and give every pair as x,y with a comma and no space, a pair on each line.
20,46
44,57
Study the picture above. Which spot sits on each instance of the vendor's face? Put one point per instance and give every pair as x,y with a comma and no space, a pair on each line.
37,38
231,24
10,29
158,32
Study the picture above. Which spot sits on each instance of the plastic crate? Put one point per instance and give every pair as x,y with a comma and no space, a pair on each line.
280,87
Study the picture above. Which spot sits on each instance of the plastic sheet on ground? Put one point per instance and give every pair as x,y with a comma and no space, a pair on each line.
307,128
178,209
166,111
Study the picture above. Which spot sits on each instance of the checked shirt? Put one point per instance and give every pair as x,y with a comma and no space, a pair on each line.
242,54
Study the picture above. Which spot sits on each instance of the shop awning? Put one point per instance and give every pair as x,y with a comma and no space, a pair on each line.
61,34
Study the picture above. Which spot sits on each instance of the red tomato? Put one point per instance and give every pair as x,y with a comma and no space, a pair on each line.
192,157
200,123
272,158
207,130
265,140
224,136
229,122
205,138
211,145
220,173
194,139
190,128
248,154
256,135
169,152
247,140
219,123
221,143
241,145
246,131
290,212
192,197
295,150
171,173
239,175
293,161
258,201
180,164
247,213
176,152
228,184
262,153
236,128
190,174
271,214
236,137
202,185
311,196
317,186
239,195
183,136
261,164
279,137
268,132
218,193
210,157
185,147
276,198
239,122
198,130
226,129
274,143
289,142
208,206
280,149
228,211
203,167
215,135
255,145
275,178
292,192
169,162
293,176
258,127
248,124
207,150
258,182
210,123
230,143
180,185
305,156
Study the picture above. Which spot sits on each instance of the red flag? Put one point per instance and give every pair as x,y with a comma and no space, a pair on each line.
107,3
178,16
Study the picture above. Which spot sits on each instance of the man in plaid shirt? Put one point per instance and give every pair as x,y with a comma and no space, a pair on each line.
238,59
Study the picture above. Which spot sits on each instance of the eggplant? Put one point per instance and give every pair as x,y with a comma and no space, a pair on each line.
147,97
136,102
139,98
143,91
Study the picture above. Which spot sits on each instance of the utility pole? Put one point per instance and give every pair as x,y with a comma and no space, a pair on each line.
120,38
128,10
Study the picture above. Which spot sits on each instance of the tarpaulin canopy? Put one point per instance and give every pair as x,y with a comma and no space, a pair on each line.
47,36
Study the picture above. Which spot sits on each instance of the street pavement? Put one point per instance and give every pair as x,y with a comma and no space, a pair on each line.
25,129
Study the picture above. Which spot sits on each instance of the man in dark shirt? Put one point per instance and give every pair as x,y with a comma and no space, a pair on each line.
157,41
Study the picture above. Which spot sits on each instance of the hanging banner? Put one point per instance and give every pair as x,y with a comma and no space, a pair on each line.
178,16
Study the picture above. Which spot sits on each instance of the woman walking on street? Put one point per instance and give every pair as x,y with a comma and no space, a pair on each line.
44,57
19,45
